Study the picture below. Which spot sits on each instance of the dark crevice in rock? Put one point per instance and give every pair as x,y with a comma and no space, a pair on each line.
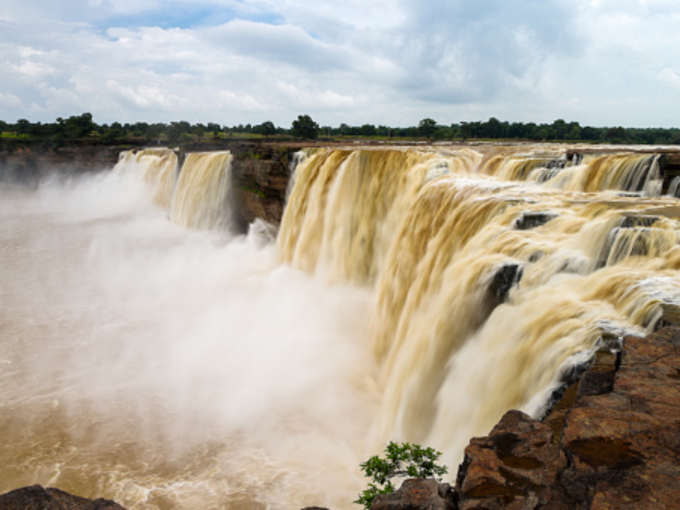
638,221
567,389
605,451
531,220
504,279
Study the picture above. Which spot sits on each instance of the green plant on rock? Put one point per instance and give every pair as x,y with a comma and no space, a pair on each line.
402,460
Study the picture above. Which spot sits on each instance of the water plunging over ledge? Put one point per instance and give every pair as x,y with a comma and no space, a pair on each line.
411,294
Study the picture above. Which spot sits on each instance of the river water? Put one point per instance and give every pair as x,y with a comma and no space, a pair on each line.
167,368
412,294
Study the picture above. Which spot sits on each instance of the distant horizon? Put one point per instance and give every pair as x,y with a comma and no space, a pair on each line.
385,62
337,126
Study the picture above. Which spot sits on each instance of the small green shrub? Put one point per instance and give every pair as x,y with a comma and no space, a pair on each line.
404,460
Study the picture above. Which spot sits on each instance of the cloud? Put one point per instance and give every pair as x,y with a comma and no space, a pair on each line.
670,76
471,52
277,44
10,101
387,61
322,99
239,102
145,97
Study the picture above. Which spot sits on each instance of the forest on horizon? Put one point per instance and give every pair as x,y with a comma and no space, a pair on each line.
82,128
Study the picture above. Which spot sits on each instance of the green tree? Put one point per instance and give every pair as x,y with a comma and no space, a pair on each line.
213,128
113,133
22,127
470,129
616,135
385,131
492,128
305,127
560,128
401,460
177,129
368,130
427,127
267,129
591,133
76,126
155,130
574,131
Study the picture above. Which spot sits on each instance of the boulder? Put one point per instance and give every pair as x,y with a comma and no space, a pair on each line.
616,444
417,494
504,279
511,466
531,220
37,497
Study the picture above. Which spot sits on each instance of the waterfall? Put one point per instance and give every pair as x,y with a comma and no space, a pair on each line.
673,187
346,205
412,294
621,172
200,200
491,276
157,167
631,173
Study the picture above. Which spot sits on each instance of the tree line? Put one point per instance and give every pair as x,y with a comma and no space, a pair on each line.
82,128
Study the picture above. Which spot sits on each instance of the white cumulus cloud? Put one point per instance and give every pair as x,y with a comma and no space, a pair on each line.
600,62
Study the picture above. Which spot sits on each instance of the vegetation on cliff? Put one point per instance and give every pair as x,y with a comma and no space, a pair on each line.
82,128
401,460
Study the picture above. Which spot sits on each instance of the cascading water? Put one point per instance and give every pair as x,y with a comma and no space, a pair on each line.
632,173
157,167
422,294
200,199
458,343
346,206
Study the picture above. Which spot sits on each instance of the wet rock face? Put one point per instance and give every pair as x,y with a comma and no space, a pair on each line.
531,220
616,446
36,497
28,165
417,494
504,279
260,180
511,466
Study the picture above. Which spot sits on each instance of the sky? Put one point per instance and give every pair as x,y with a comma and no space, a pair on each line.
390,62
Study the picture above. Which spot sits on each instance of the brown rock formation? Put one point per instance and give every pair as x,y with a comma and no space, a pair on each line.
30,164
36,497
417,494
260,171
260,176
616,446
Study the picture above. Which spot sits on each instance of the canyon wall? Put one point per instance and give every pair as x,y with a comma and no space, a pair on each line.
260,171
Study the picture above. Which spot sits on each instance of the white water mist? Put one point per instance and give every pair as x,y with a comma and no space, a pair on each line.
162,367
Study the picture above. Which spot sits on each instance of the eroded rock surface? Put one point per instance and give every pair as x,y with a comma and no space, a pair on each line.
260,179
417,494
617,445
37,497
